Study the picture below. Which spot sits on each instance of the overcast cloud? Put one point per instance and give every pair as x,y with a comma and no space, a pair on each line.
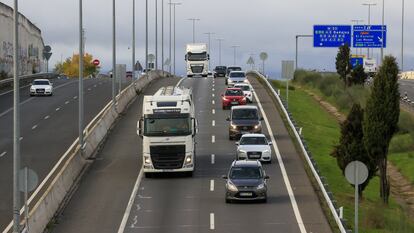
255,25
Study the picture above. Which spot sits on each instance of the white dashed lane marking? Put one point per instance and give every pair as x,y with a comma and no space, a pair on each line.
213,102
213,123
57,109
67,102
21,138
3,154
34,127
213,139
213,158
75,97
47,117
211,185
213,111
212,221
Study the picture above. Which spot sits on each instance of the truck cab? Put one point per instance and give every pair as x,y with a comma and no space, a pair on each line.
197,59
168,128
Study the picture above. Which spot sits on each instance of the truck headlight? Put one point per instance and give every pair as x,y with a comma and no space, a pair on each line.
147,160
188,160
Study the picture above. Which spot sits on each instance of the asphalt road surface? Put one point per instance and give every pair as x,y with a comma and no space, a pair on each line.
49,125
192,204
407,86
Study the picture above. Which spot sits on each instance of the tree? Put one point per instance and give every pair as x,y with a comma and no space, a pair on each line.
70,67
343,63
351,145
381,118
358,75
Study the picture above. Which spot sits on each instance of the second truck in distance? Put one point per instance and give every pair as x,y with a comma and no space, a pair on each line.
197,58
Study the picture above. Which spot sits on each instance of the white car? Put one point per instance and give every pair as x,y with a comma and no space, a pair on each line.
247,90
237,77
254,147
41,87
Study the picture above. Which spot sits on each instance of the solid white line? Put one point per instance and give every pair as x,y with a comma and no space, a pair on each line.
283,170
57,109
130,203
213,111
212,221
211,185
47,117
213,158
67,102
213,123
3,154
213,139
213,102
34,127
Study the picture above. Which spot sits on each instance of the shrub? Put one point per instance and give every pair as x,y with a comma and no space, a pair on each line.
3,75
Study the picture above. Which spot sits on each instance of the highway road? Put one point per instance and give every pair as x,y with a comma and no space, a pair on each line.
407,86
49,126
110,198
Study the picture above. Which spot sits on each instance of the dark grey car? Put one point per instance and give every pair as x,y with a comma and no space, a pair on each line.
245,181
244,120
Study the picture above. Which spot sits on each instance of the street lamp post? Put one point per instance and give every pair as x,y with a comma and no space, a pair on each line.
156,34
209,46
169,65
113,53
382,30
174,4
81,55
369,5
194,20
234,53
16,122
133,39
297,48
356,21
162,36
220,40
146,36
402,35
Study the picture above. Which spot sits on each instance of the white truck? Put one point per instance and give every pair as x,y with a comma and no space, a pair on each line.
197,59
168,128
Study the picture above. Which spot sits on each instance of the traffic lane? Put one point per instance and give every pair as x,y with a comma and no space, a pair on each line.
172,202
407,86
306,198
41,147
274,216
100,200
198,204
6,98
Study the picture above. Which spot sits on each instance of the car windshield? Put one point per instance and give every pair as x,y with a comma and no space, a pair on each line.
234,92
244,87
41,82
220,68
167,126
253,141
237,75
197,56
245,173
244,114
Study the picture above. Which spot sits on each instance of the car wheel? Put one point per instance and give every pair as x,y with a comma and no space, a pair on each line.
223,107
149,175
190,174
265,200
228,201
230,138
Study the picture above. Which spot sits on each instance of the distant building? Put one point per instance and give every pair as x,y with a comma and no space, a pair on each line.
407,75
30,44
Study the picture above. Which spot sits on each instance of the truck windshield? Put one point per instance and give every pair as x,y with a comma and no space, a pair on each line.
197,56
167,126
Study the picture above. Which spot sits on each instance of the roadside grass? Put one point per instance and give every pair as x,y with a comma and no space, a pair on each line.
321,132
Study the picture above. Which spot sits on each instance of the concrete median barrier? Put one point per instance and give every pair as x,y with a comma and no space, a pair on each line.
48,198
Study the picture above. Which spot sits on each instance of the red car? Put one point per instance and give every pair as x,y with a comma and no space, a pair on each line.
233,96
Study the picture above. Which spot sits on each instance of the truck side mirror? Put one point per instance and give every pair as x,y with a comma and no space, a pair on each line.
139,127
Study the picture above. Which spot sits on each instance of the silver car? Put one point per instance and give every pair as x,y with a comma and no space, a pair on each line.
254,147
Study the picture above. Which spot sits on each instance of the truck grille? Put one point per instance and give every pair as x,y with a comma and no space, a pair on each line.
167,157
197,69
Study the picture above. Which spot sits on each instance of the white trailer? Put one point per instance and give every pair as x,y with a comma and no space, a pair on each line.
168,128
197,58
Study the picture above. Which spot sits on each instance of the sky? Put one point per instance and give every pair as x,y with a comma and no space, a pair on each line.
256,26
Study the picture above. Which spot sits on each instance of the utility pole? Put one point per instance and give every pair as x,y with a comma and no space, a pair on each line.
194,20
81,55
16,121
297,48
113,53
369,5
162,36
220,40
146,36
169,66
156,34
382,30
234,50
209,46
402,36
133,39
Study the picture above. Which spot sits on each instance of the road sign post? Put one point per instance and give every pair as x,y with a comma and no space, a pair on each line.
356,173
263,56
288,70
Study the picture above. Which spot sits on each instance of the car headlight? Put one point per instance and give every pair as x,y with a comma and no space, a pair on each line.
260,186
224,98
233,126
242,151
244,99
232,187
257,126
32,88
266,152
246,81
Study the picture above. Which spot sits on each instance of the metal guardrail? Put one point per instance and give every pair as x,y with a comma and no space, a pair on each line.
323,185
